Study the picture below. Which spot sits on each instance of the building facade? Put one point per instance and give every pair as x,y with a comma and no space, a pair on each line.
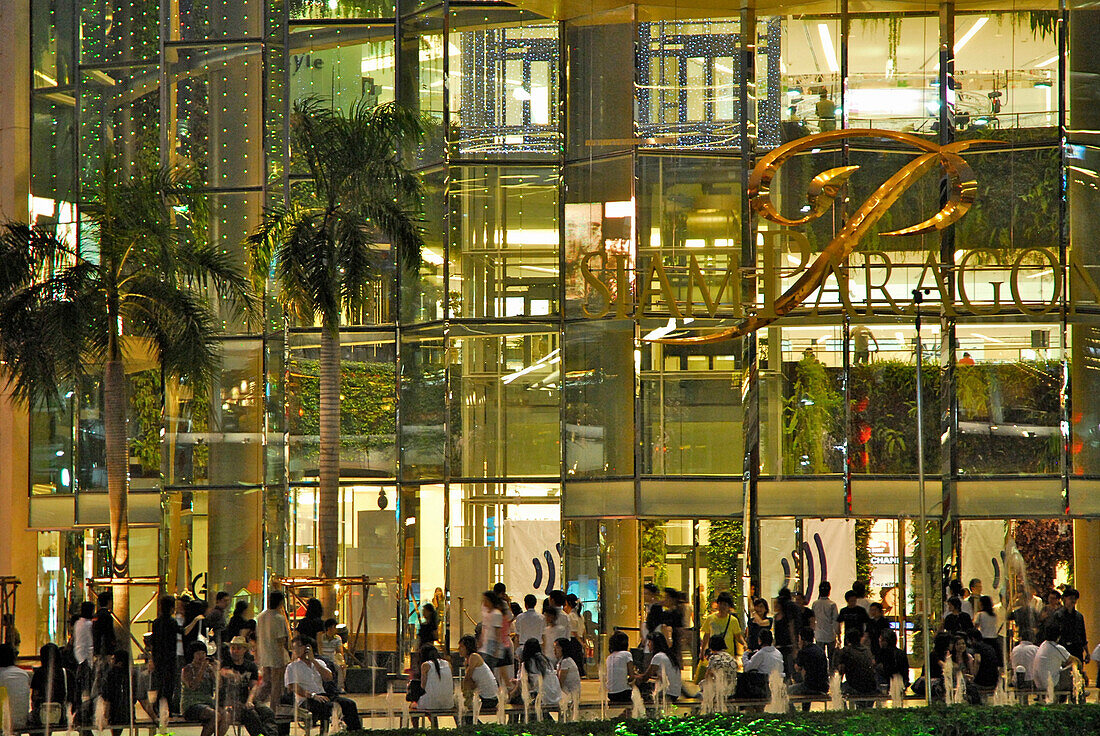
507,413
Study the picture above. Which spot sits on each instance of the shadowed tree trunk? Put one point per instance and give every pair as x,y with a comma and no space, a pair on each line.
118,460
328,503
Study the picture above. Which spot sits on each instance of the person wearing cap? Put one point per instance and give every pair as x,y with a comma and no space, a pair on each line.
724,624
240,684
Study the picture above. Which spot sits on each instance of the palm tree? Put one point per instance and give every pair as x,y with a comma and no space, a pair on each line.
140,285
323,250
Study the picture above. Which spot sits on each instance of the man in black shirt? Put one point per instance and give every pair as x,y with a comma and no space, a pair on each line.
164,634
857,666
240,681
989,668
1071,624
876,624
853,617
104,641
813,665
891,660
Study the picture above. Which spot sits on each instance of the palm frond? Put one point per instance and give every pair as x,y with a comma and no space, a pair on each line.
201,265
181,325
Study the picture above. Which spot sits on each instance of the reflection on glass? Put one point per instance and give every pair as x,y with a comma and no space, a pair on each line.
343,64
505,411
599,398
503,242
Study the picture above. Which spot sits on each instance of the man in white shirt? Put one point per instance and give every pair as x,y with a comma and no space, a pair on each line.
306,677
1022,658
17,682
1051,662
972,604
530,623
753,683
826,628
272,633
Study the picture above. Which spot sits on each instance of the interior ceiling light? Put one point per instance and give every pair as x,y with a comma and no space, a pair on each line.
1047,62
827,47
970,34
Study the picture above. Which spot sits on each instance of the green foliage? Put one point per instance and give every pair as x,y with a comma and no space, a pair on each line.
654,550
726,544
957,720
811,413
367,406
145,413
863,549
1044,544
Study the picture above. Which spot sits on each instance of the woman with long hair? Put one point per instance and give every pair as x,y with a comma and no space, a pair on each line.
435,678
479,677
758,621
660,664
990,628
537,675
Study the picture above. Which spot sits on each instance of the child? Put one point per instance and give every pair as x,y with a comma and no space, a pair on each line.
331,648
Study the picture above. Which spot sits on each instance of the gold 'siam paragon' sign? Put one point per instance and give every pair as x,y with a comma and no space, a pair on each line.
1017,269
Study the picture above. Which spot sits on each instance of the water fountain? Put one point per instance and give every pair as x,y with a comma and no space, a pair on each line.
389,706
460,703
1077,695
502,705
336,721
538,699
779,701
897,692
525,696
100,717
836,699
603,694
637,703
405,719
708,701
162,713
475,708
949,681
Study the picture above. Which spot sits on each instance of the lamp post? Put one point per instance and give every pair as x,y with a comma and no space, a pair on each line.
922,535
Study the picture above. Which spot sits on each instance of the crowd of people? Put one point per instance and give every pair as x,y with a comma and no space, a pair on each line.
200,663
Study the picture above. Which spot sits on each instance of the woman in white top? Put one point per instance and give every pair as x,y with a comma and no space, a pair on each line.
557,627
435,678
660,664
495,645
478,678
986,622
568,674
538,677
619,668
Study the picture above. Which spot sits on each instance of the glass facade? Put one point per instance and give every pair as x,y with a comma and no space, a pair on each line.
587,192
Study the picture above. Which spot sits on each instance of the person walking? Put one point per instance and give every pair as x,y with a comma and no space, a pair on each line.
272,636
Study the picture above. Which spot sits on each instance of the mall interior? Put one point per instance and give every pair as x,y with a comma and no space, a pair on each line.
506,412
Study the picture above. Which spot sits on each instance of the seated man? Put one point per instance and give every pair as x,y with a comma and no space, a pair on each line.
1053,665
857,666
1021,659
240,683
813,665
306,677
753,683
17,681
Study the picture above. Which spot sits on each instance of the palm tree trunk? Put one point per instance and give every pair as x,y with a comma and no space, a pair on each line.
118,461
328,508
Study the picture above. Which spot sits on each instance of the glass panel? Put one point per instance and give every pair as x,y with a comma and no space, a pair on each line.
368,405
215,20
324,9
119,31
423,292
219,441
423,48
691,408
883,392
343,64
599,398
53,137
599,83
424,362
1008,387
504,242
215,98
688,81
52,34
811,80
216,536
1006,73
505,407
51,447
689,220
1082,66
894,88
119,114
599,238
503,84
